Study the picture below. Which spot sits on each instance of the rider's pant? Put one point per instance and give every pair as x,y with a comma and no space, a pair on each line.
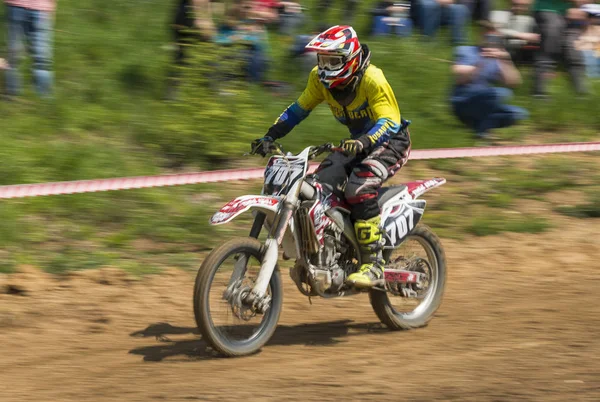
358,179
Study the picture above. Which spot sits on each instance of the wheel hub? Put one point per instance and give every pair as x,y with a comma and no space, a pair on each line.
236,294
423,267
244,303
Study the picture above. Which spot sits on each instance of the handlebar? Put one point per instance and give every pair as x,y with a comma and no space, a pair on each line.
277,149
327,147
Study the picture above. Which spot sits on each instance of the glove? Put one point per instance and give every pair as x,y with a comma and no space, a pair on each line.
352,147
262,146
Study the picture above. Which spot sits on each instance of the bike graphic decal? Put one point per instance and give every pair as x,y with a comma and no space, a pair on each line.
242,204
320,220
402,220
418,188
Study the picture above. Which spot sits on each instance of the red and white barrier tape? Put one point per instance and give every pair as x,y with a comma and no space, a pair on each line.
125,183
445,153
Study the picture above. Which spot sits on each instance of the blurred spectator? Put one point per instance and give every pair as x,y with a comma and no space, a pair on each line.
558,35
266,10
227,30
589,41
479,9
306,59
348,6
30,26
3,64
193,21
390,16
245,26
254,36
518,28
434,13
415,13
474,100
290,17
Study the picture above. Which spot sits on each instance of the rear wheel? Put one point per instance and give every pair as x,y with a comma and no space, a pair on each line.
226,323
421,252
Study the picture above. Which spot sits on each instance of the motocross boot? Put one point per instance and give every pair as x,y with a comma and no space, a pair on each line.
369,238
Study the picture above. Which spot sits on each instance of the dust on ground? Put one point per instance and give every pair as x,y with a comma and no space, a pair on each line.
519,321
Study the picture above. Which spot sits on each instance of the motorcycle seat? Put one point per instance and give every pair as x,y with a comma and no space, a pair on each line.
386,193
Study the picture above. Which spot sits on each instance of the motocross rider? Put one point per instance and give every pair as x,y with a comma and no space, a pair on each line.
359,97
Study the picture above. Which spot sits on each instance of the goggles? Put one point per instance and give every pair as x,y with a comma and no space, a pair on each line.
331,62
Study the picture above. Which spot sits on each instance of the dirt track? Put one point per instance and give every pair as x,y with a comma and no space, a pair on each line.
520,321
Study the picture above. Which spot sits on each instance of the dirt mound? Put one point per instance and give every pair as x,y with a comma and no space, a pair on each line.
520,321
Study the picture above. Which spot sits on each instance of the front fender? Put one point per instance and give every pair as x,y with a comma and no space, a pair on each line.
242,204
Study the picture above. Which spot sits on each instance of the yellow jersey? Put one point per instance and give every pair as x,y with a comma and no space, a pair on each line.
373,112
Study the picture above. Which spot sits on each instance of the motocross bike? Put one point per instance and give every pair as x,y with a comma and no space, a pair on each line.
238,290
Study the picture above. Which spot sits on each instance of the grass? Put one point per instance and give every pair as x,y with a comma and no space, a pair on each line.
589,209
500,200
108,119
545,175
7,267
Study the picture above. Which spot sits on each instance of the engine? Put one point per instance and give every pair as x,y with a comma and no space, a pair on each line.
328,275
329,265
326,250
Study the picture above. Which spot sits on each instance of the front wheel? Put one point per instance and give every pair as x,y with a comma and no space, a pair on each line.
226,323
422,252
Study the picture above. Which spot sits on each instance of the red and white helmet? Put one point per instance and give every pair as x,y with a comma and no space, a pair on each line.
339,55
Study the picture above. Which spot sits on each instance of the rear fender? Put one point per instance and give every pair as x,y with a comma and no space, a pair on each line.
236,207
420,187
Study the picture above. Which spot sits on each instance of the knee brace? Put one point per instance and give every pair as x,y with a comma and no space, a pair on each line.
365,180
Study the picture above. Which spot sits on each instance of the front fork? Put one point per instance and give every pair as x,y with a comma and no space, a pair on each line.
258,297
259,221
239,269
271,254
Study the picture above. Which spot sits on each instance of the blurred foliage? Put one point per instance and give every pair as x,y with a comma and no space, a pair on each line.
209,120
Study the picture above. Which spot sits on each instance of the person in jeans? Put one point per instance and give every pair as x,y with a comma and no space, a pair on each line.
434,13
474,100
557,42
30,27
589,41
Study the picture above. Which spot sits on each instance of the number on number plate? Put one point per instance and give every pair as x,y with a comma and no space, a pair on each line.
278,173
401,225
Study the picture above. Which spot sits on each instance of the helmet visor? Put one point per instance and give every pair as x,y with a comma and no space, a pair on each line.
331,62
